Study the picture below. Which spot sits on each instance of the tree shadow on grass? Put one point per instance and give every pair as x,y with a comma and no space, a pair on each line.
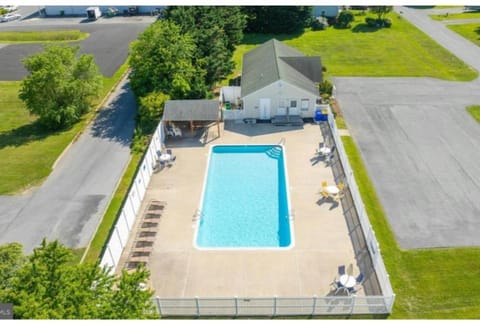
364,28
260,38
25,134
420,7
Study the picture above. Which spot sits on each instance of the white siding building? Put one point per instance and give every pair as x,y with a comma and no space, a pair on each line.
279,80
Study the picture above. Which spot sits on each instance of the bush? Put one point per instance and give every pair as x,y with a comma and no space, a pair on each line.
325,87
319,23
344,19
378,23
332,21
371,22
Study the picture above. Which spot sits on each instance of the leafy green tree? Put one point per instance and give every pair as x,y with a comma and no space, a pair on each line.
151,109
381,11
277,19
162,60
216,31
150,112
50,286
11,259
60,86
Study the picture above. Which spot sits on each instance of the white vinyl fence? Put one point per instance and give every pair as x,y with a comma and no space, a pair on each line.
368,232
126,218
270,306
274,306
290,306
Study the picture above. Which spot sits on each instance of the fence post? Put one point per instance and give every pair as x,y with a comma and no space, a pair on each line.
274,306
198,306
390,300
314,305
159,307
111,255
236,305
119,237
124,213
353,303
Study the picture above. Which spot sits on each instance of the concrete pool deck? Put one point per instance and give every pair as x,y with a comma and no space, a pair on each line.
322,241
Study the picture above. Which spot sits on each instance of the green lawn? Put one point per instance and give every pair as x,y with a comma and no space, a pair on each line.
450,6
429,284
42,36
402,50
475,112
27,151
469,31
456,16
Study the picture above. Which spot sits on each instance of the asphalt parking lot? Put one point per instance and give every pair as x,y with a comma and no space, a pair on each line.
109,41
420,147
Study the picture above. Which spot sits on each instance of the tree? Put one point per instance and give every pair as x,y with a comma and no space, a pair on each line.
277,19
60,86
150,112
381,11
11,259
162,60
216,31
50,286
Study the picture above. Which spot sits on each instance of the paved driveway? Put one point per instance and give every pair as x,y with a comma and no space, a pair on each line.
109,42
71,202
420,146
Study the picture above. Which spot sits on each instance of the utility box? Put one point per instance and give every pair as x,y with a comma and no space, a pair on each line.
93,13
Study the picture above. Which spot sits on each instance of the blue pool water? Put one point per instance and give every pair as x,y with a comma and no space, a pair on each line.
245,200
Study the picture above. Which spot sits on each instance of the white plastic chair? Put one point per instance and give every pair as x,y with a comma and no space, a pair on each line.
177,131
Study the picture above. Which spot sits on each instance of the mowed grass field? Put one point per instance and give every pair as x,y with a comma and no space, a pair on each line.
428,283
470,31
399,51
474,112
456,16
42,36
27,151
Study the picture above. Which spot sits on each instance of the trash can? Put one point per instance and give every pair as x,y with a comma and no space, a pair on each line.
321,115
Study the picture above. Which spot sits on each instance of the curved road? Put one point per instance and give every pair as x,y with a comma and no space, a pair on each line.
71,202
420,146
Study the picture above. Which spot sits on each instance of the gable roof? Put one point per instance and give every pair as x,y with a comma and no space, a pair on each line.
274,60
191,110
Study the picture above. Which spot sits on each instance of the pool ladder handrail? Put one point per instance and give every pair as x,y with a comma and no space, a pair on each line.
282,141
291,215
198,214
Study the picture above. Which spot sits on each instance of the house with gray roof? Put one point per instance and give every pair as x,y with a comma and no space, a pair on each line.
278,80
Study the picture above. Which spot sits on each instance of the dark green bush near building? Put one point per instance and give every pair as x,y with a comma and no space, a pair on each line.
325,87
378,23
344,19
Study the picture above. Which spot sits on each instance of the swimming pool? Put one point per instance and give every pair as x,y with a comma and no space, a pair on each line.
245,201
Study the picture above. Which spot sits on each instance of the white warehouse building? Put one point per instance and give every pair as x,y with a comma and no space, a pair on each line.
82,10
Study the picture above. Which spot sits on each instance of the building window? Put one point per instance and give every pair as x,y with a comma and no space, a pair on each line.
305,103
293,104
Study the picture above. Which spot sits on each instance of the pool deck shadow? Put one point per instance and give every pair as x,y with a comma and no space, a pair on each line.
322,239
